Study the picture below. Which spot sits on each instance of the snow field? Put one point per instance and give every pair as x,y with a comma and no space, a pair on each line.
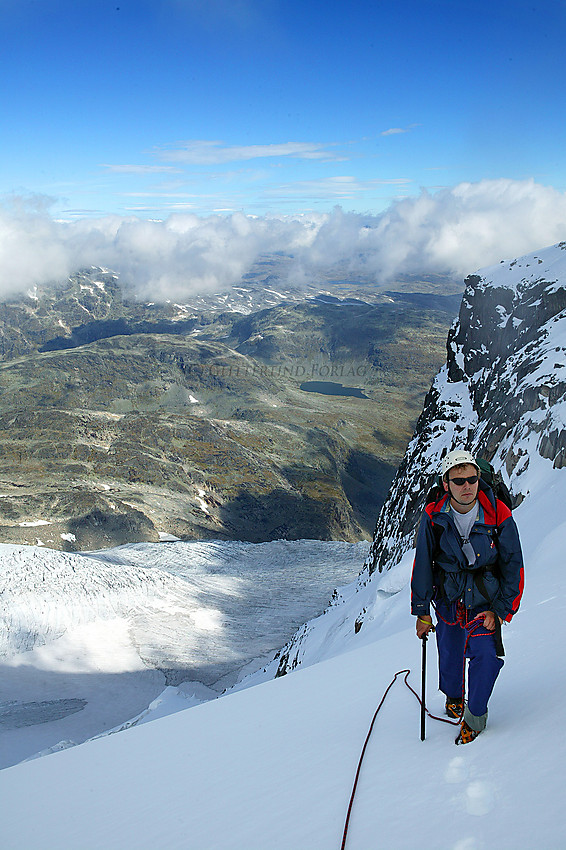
272,766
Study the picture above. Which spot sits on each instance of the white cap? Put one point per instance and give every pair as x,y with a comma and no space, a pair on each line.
455,458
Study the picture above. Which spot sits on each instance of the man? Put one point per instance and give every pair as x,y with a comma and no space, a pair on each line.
469,565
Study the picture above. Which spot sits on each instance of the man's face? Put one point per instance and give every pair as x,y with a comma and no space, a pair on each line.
465,493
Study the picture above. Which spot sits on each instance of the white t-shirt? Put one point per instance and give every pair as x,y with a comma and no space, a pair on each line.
464,523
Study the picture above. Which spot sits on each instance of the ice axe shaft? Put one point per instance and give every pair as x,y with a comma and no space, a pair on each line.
423,689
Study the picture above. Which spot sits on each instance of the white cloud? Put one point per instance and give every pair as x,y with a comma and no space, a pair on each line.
455,230
159,259
466,227
142,169
395,131
340,187
214,153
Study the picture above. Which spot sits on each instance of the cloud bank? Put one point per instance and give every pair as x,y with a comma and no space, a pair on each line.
455,230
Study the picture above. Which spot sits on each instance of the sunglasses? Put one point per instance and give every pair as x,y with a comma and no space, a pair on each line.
459,482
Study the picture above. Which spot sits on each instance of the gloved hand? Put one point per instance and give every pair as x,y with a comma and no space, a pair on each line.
424,625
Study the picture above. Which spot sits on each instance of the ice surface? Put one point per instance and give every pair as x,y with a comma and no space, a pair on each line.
111,629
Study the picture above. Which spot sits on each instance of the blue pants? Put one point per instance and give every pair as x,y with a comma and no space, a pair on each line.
484,665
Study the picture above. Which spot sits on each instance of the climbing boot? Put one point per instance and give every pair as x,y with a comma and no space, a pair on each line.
466,735
454,708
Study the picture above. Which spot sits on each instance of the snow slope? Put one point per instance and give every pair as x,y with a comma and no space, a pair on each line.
89,642
272,766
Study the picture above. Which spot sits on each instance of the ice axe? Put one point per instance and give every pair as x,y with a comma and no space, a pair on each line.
423,688
423,685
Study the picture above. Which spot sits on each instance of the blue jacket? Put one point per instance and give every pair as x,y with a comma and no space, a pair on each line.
441,569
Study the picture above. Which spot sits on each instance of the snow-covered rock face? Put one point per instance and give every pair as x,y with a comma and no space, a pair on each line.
501,393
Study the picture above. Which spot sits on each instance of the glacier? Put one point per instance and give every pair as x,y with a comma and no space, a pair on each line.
88,641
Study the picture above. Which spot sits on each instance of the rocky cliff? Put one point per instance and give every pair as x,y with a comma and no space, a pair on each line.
501,392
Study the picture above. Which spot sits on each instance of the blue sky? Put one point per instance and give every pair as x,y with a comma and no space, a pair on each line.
276,107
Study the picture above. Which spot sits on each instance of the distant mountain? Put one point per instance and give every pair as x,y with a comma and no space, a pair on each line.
121,421
501,393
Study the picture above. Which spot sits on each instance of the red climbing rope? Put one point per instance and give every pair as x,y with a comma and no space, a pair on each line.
432,716
471,629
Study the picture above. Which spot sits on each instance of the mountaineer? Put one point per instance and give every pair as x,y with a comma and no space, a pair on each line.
469,566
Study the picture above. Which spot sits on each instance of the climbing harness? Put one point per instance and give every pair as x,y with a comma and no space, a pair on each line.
471,627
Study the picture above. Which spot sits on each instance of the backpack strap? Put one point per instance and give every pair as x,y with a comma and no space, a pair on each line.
480,584
437,574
